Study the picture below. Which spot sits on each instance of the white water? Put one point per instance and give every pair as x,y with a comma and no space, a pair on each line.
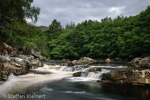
89,76
19,83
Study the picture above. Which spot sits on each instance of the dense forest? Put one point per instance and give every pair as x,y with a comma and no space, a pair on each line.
123,37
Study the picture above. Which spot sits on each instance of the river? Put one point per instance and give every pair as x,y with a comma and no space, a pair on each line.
54,82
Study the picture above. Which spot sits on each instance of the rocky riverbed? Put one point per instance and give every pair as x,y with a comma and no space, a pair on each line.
137,73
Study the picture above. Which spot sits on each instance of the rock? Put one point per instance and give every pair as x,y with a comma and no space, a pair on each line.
26,57
114,76
36,63
94,69
70,64
128,77
12,62
107,60
36,53
7,46
5,58
16,65
135,60
141,62
7,49
84,60
77,74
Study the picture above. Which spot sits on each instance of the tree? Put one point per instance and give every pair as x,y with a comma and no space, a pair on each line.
18,10
54,29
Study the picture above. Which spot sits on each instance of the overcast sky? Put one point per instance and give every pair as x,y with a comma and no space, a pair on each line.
77,11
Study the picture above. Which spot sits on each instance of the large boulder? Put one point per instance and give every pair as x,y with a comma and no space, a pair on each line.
17,65
84,60
7,68
128,77
141,62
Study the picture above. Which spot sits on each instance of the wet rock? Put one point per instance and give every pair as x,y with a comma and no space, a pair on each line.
16,65
128,77
114,76
77,74
36,63
70,64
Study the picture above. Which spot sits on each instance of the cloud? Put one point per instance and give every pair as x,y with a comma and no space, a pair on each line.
66,11
117,10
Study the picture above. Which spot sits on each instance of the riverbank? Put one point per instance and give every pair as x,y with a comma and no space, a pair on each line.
18,62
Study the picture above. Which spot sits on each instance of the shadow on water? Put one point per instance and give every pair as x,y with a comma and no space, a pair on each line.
140,93
64,90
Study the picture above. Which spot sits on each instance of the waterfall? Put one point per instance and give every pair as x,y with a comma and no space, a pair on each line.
67,69
97,74
94,75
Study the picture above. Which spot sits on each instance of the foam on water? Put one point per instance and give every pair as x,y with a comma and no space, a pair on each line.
76,92
46,89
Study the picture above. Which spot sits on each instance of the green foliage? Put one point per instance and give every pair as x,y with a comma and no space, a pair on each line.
124,37
15,30
12,17
70,25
